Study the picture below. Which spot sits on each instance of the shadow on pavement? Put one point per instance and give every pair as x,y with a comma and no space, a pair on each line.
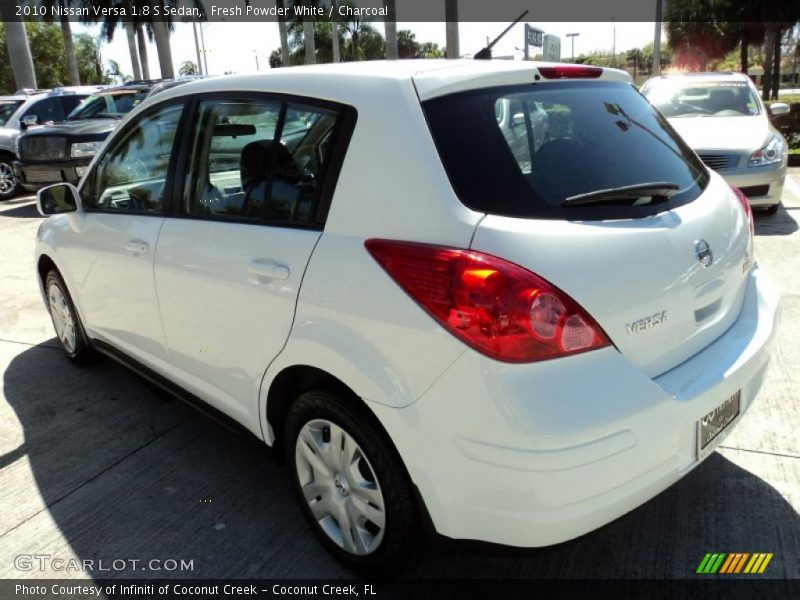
127,473
781,223
26,211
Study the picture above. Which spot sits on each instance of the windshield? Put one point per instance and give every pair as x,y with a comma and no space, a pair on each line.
8,108
691,98
524,150
108,105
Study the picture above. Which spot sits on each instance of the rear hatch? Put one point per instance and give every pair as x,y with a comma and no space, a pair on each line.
604,200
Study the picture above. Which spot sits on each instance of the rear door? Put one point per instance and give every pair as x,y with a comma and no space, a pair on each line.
232,255
662,273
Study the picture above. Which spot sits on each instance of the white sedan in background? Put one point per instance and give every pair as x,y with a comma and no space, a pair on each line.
722,118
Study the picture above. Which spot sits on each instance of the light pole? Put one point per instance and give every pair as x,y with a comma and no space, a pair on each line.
573,36
197,48
613,42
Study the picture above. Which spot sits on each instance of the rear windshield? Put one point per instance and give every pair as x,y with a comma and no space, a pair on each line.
524,150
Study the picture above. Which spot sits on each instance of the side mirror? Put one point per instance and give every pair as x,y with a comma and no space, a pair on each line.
518,119
29,120
58,198
776,109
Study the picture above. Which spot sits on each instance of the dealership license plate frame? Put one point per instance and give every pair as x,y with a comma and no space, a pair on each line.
717,421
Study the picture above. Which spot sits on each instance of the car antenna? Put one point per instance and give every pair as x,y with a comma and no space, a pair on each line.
486,53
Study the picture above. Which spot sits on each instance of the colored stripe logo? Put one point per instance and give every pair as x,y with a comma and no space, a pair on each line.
734,563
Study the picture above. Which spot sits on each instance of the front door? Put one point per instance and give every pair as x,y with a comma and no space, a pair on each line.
125,199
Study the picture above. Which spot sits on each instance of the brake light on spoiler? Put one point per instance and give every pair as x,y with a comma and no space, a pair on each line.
570,72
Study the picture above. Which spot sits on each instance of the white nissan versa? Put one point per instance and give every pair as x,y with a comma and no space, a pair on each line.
436,317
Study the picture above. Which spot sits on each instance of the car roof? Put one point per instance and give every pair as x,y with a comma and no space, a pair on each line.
344,81
702,76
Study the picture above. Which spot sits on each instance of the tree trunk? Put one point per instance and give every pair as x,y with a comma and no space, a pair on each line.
282,31
130,30
19,52
142,39
744,59
776,69
308,41
451,28
335,37
390,28
769,48
69,52
161,32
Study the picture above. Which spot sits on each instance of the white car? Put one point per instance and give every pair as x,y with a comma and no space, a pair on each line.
351,262
722,118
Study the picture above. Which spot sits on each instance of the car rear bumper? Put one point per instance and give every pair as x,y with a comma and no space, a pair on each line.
35,175
763,186
532,455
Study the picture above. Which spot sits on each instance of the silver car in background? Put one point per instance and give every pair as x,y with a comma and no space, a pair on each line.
722,118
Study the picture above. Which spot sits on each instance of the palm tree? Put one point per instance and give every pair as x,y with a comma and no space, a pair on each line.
157,26
19,52
308,37
161,33
280,4
130,30
140,37
451,24
66,32
390,27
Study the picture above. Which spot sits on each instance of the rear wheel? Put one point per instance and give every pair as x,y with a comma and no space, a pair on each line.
66,321
9,186
351,484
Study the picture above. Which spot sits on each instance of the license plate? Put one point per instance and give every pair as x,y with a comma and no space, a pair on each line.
42,176
714,423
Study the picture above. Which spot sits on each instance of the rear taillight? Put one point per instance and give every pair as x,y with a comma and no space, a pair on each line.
748,211
570,72
494,306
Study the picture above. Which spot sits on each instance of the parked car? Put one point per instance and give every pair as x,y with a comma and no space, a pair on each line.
351,262
62,152
27,108
721,116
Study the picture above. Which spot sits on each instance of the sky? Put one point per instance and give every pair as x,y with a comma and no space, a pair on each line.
245,47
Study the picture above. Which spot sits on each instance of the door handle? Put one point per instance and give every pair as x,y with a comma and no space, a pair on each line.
260,271
137,247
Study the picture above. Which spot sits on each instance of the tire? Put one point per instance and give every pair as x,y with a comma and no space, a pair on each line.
376,478
772,209
9,186
69,329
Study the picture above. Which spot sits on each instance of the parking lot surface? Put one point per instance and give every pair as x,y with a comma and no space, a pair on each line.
96,465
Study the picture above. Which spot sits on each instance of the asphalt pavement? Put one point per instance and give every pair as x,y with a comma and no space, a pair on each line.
97,466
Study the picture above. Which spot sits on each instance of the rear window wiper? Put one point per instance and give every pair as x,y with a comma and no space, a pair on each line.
658,191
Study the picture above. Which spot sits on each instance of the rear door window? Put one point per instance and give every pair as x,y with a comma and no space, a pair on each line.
524,150
259,160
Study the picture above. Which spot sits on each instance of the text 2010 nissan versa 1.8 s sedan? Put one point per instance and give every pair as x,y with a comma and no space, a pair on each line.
437,317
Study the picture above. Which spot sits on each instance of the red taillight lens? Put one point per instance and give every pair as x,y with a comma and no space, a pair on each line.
494,306
570,72
748,211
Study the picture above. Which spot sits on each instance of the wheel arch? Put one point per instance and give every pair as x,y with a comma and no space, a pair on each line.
289,384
